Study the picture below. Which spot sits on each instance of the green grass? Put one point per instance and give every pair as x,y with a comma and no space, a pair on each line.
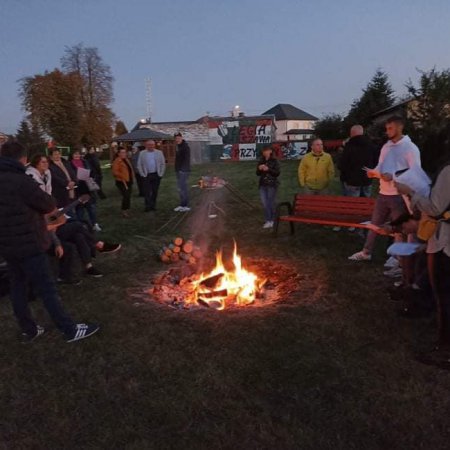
330,367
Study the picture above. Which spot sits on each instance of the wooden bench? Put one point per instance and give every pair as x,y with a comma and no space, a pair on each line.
326,210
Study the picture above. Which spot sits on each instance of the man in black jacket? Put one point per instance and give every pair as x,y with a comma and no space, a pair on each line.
182,170
24,240
359,152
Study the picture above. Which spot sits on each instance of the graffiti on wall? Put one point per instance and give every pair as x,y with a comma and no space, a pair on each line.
241,140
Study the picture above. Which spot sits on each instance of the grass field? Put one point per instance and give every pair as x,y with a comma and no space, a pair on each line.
331,367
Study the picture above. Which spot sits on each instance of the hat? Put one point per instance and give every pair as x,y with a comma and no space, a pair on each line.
178,134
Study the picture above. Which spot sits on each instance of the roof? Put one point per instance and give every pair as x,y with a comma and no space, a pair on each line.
143,134
393,108
300,131
191,131
285,111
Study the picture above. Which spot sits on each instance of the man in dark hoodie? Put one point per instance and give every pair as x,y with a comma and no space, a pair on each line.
24,240
359,152
182,170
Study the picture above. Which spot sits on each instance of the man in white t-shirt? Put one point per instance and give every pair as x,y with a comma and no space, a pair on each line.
398,154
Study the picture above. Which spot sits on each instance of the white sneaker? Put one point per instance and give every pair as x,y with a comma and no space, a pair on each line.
185,209
268,225
96,227
395,272
336,228
391,263
351,229
178,208
360,256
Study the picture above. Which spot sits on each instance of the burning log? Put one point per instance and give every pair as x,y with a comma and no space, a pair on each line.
213,294
213,281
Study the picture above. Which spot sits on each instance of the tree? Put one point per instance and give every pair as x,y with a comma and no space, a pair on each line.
330,126
120,128
377,95
53,105
95,92
429,117
30,137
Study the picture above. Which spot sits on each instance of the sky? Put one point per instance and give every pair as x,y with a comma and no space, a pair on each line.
209,55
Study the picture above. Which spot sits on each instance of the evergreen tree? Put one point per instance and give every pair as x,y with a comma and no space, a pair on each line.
377,95
31,138
330,126
120,128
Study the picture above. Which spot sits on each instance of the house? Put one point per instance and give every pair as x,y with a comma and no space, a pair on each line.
292,123
402,109
3,138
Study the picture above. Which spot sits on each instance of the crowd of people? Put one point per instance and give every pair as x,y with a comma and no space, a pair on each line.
48,206
400,212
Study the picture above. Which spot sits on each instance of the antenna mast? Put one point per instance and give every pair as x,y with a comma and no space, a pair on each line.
148,97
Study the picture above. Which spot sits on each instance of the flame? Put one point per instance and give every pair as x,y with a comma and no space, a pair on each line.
237,286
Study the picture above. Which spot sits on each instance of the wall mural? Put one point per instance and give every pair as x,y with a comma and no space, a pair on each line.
240,140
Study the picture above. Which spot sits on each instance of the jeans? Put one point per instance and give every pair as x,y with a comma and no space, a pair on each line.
387,207
151,187
35,270
91,209
309,191
182,186
439,272
357,191
125,189
268,199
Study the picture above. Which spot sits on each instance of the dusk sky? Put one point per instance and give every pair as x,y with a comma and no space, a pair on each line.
211,55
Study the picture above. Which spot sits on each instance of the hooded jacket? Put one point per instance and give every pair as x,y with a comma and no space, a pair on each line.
316,172
44,181
23,229
395,156
183,157
358,152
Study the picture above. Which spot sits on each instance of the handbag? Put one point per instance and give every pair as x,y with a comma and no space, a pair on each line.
92,185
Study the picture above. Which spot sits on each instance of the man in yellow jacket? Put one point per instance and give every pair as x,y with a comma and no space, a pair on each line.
316,169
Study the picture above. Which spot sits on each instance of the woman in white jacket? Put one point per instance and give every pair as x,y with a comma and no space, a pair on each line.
39,171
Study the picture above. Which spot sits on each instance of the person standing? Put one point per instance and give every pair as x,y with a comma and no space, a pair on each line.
316,169
437,206
123,173
268,171
63,179
151,167
96,170
399,153
182,171
359,152
24,240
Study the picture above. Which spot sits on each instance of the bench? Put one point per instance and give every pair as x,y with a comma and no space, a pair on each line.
337,211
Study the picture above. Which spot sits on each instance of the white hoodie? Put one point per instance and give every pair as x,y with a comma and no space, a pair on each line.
45,182
396,156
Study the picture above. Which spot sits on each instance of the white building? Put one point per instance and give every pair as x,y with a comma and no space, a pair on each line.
292,123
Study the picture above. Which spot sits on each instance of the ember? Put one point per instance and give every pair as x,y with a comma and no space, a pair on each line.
220,288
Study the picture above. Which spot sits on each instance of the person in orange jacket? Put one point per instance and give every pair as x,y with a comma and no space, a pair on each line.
122,171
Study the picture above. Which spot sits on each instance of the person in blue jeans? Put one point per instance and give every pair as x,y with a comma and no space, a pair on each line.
182,171
268,171
24,241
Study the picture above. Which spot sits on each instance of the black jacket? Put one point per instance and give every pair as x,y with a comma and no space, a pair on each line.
59,183
183,158
95,166
359,152
269,178
23,230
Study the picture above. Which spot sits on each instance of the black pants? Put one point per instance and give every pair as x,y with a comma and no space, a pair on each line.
439,270
151,186
35,271
125,190
140,184
78,233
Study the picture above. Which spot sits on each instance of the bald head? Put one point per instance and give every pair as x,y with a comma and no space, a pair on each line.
356,130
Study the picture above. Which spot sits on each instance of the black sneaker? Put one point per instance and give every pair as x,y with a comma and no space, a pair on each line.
109,248
82,331
30,338
93,272
69,281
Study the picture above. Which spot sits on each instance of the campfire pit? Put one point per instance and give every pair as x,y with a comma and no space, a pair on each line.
221,288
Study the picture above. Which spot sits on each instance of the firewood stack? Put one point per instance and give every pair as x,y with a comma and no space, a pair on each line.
180,250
